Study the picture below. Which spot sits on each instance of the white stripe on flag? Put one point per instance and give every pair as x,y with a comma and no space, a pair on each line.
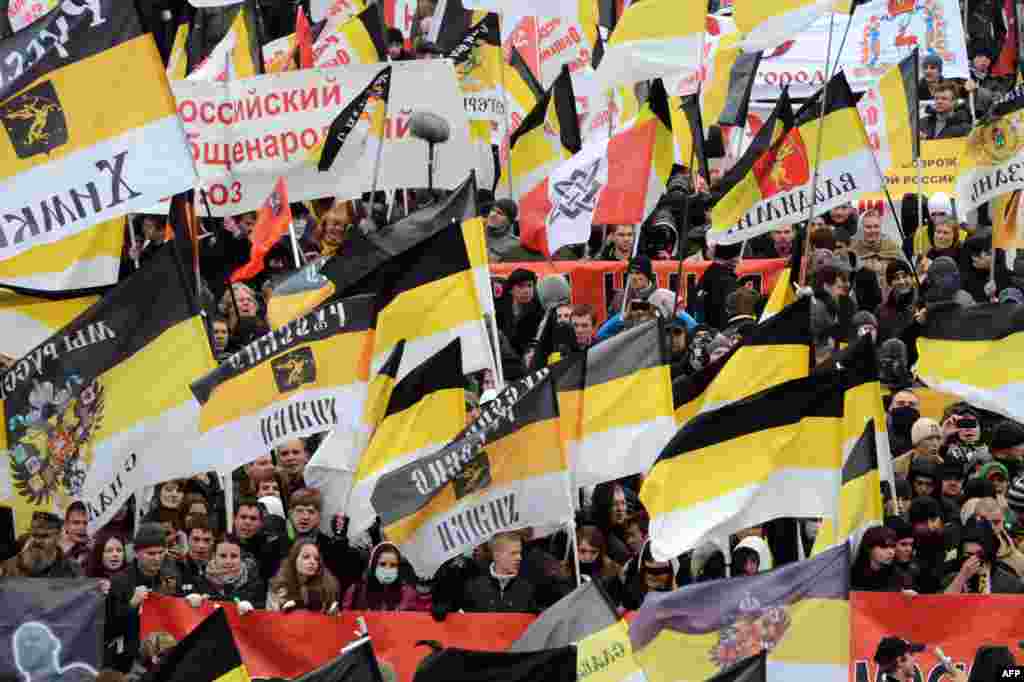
575,190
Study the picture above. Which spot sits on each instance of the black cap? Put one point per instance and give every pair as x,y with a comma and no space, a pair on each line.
924,509
520,275
891,648
1007,434
899,526
642,264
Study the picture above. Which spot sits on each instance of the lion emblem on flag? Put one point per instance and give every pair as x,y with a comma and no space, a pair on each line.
754,630
51,446
784,167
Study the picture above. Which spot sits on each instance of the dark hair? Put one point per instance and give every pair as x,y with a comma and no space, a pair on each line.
248,501
989,661
217,317
823,238
194,521
945,86
639,518
585,310
77,507
94,567
228,539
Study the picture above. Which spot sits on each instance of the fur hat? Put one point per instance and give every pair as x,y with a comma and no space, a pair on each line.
924,428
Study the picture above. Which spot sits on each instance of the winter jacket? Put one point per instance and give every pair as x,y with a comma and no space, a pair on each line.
484,594
956,124
121,629
249,587
718,282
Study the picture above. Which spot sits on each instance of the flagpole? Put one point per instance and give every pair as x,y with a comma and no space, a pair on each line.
229,499
817,153
380,149
576,551
682,232
295,245
132,241
508,126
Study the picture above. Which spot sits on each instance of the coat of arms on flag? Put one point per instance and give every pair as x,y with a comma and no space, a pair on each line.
784,167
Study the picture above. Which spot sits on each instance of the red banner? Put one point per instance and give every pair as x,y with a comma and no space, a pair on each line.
595,282
292,644
958,624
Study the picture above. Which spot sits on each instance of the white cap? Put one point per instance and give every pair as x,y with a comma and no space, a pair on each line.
940,203
273,505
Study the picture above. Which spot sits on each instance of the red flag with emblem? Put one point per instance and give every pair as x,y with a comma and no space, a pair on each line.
272,223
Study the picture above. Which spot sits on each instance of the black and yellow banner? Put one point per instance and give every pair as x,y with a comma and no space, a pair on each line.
102,408
308,376
507,470
207,654
425,410
973,353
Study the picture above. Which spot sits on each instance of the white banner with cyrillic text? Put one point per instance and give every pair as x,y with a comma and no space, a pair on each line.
245,134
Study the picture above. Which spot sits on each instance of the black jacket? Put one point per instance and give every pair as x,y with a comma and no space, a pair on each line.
520,331
718,282
958,125
121,630
268,550
484,594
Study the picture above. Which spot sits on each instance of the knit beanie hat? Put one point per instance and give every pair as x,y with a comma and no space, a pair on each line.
924,428
943,280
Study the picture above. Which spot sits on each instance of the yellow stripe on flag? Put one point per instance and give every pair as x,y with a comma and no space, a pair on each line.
507,466
342,361
84,91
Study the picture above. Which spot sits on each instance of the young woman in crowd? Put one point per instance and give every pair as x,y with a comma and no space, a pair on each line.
303,582
384,588
108,558
231,577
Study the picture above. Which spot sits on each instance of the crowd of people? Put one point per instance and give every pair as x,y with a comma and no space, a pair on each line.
955,518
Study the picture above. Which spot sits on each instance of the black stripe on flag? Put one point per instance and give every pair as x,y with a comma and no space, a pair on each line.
439,372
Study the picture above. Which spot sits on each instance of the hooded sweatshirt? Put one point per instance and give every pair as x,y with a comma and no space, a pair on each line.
369,594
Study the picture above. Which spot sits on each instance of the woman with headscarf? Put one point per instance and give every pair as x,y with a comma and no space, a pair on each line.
383,588
610,508
303,582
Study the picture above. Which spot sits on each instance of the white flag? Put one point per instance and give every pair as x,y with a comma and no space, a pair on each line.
574,191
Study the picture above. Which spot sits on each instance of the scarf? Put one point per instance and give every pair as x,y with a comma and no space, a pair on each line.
223,582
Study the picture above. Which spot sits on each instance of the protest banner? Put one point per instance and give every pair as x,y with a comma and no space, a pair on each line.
246,134
595,282
980,620
881,33
286,645
53,629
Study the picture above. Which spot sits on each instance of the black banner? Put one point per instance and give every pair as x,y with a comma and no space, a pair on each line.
52,630
70,32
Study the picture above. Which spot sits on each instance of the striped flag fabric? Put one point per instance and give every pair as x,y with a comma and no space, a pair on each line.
867,461
28,320
358,130
593,663
355,39
652,39
897,129
992,158
776,351
73,158
598,185
207,654
972,353
224,43
689,391
424,411
309,376
784,291
773,188
714,90
548,135
624,405
788,437
102,408
797,615
507,471
365,256
766,25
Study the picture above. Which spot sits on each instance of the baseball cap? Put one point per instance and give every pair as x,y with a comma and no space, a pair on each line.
891,648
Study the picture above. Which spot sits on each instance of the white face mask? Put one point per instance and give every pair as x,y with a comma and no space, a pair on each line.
386,576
